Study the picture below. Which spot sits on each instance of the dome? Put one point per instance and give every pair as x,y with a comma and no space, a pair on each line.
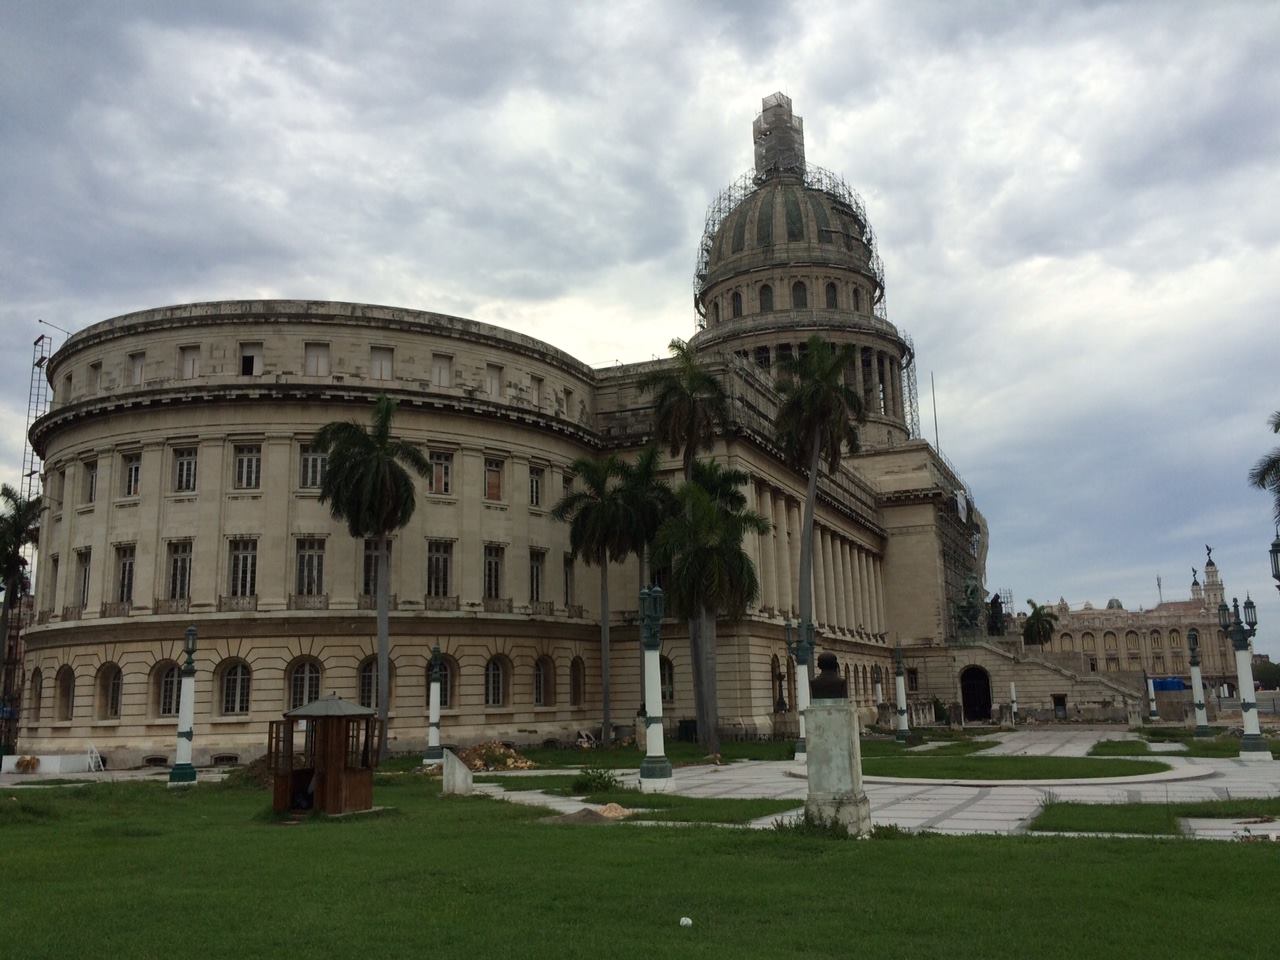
1114,604
1087,605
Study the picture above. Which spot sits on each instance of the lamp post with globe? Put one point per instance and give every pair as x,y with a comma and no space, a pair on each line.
183,774
1240,632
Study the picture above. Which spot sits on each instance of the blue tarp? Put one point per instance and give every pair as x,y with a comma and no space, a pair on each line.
1168,683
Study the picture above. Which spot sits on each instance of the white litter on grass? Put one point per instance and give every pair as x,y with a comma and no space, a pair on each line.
686,922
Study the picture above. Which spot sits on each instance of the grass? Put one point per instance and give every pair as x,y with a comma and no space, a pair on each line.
929,766
1145,818
146,871
679,753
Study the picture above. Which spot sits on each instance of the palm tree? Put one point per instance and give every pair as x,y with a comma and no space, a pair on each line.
1040,624
367,486
599,521
19,526
689,403
701,544
816,424
1265,474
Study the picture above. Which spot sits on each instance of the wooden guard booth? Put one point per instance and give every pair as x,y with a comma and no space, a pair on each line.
327,765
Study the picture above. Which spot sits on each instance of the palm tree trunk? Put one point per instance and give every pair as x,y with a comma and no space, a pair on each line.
710,708
606,732
384,642
10,588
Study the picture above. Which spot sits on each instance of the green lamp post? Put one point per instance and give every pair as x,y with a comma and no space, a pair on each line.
655,769
1240,632
183,773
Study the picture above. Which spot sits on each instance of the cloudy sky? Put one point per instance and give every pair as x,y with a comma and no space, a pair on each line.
1076,205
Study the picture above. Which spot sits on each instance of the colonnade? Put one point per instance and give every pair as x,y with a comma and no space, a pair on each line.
876,377
848,581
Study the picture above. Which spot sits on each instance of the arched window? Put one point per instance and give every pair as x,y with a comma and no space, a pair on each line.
766,298
857,300
1175,638
110,682
369,683
833,299
37,694
1066,643
65,694
235,688
775,681
1156,642
715,312
735,304
799,296
304,683
167,689
1131,640
448,677
577,682
851,689
1086,641
866,683
667,680
496,682
544,682
1109,640
791,682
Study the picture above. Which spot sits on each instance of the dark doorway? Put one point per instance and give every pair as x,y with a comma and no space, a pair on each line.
975,691
1059,706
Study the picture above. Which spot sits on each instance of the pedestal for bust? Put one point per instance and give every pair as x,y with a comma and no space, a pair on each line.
835,766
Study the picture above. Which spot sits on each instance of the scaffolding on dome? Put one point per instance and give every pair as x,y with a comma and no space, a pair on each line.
913,391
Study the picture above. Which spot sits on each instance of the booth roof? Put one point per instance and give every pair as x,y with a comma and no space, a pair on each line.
330,706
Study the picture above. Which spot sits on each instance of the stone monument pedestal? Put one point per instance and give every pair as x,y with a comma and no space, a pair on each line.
835,767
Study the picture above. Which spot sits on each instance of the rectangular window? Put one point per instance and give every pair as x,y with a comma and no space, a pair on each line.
83,558
64,394
1158,664
179,572
137,365
89,492
492,479
184,469
125,554
535,391
189,362
568,579
493,380
439,478
250,359
439,567
537,563
369,580
315,359
568,403
310,567
312,465
442,370
913,680
566,482
536,475
95,376
248,466
244,568
381,361
61,486
132,464
492,571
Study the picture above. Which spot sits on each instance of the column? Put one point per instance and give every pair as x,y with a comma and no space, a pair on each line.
875,381
850,606
829,582
782,556
768,552
819,576
751,542
877,594
793,526
840,594
1252,741
855,382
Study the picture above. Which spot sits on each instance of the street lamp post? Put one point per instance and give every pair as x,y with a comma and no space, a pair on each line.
1197,684
1275,558
434,753
801,648
183,773
1151,696
900,681
1240,633
1013,702
655,769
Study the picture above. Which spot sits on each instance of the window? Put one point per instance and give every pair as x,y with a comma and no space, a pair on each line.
132,470
89,489
577,682
137,367
715,312
857,300
442,370
784,352
1157,664
535,391
381,361
65,694
1175,639
439,567
95,376
310,567
913,679
1109,640
735,304
315,359
311,467
61,486
448,673
244,568
83,558
492,479
833,300
493,380
537,563
235,688
568,580
37,694
766,298
1156,643
110,681
544,682
495,682
667,680
250,359
492,571
53,579
369,683
1087,642
189,362
762,358
248,466
568,403
440,475
184,469
179,573
536,475
304,683
1131,640
125,555
65,393
369,581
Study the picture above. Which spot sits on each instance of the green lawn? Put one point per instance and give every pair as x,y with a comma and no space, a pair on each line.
679,753
135,870
929,765
1148,818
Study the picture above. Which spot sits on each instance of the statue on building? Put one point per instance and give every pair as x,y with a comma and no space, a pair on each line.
995,616
968,609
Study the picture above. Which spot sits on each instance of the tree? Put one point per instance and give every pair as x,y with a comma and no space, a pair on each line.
600,532
19,526
1265,474
689,403
701,544
367,486
1040,624
817,422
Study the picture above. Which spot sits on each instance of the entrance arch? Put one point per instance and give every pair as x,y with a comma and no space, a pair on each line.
975,692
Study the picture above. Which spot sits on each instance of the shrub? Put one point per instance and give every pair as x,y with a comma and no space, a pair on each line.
596,780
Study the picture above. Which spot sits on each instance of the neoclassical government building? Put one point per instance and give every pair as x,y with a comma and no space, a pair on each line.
181,489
